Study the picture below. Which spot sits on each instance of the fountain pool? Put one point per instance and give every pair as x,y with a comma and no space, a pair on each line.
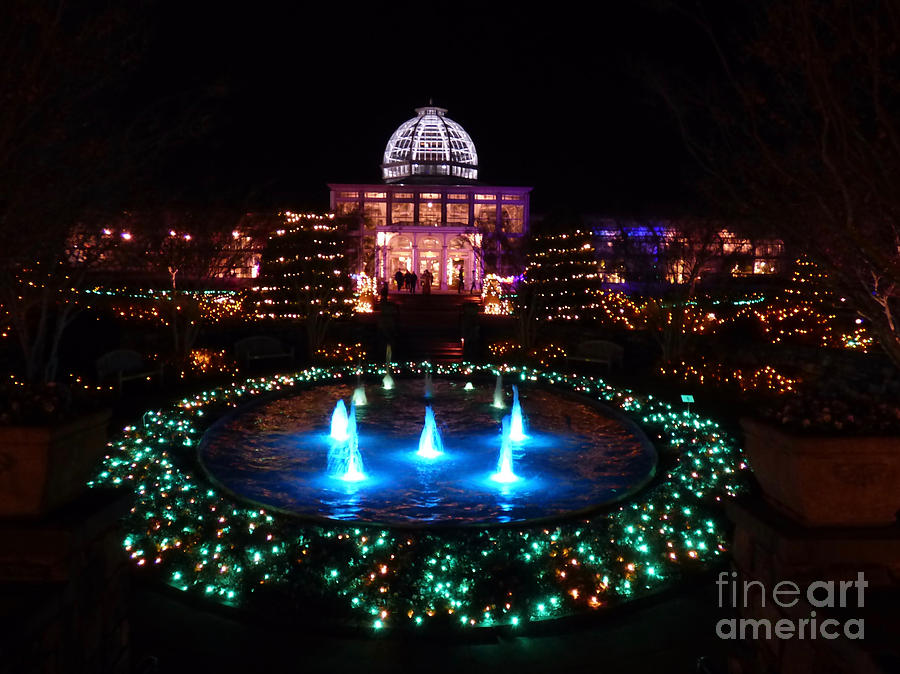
231,534
445,470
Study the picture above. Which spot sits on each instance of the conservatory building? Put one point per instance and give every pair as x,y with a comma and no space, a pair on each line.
431,212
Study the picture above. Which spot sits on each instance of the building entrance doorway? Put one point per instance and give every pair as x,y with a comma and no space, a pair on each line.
401,256
431,262
400,262
430,258
460,262
456,269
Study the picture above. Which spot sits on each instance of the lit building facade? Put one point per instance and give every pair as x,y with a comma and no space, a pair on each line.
665,251
431,212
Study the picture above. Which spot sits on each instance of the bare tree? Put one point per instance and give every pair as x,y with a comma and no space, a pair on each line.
808,141
192,247
58,162
687,252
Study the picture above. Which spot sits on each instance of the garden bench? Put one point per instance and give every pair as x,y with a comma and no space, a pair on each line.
124,365
598,351
261,347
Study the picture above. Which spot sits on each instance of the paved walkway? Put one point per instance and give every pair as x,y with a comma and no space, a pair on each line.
668,634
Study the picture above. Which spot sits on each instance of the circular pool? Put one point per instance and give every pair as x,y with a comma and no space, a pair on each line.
219,478
577,456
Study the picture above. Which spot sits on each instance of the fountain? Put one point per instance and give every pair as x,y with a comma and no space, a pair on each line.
386,465
505,472
339,422
387,355
430,443
359,396
388,381
498,393
517,423
428,388
390,518
344,460
468,386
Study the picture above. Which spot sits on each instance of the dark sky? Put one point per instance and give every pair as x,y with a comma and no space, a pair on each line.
288,99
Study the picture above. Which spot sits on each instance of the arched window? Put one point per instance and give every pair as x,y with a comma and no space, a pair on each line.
400,242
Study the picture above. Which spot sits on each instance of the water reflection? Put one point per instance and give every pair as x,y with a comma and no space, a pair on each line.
574,456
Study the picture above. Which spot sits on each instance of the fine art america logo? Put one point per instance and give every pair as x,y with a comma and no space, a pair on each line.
820,594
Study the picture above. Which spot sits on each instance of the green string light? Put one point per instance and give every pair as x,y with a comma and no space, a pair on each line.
200,540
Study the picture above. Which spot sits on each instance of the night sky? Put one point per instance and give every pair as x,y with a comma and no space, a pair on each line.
285,100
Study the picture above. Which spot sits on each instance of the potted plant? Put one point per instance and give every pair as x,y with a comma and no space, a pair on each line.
47,450
827,462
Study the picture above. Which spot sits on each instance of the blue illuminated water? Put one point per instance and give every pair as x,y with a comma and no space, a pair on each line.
339,422
505,473
430,444
344,459
516,419
576,456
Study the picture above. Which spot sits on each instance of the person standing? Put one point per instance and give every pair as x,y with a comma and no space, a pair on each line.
407,282
412,283
461,282
398,277
385,289
427,280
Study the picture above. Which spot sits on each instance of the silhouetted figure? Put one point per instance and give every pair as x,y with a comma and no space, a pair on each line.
474,283
412,282
398,277
385,289
461,283
427,280
407,283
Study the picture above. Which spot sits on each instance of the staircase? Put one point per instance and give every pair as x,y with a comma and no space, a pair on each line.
429,326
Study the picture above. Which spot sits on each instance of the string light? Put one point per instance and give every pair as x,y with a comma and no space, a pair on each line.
342,353
365,293
493,298
303,271
186,532
765,379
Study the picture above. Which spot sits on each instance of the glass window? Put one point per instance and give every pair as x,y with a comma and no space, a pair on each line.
512,219
430,213
348,195
401,243
396,171
469,173
458,214
485,197
376,214
403,195
402,213
430,244
485,216
346,207
509,197
457,197
434,196
375,195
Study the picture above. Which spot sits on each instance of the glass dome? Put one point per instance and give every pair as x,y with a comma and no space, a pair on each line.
429,145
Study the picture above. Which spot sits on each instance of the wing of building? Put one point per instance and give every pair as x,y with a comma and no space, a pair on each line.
431,212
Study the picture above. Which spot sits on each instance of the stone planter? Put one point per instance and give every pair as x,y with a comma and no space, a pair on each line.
43,468
826,481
